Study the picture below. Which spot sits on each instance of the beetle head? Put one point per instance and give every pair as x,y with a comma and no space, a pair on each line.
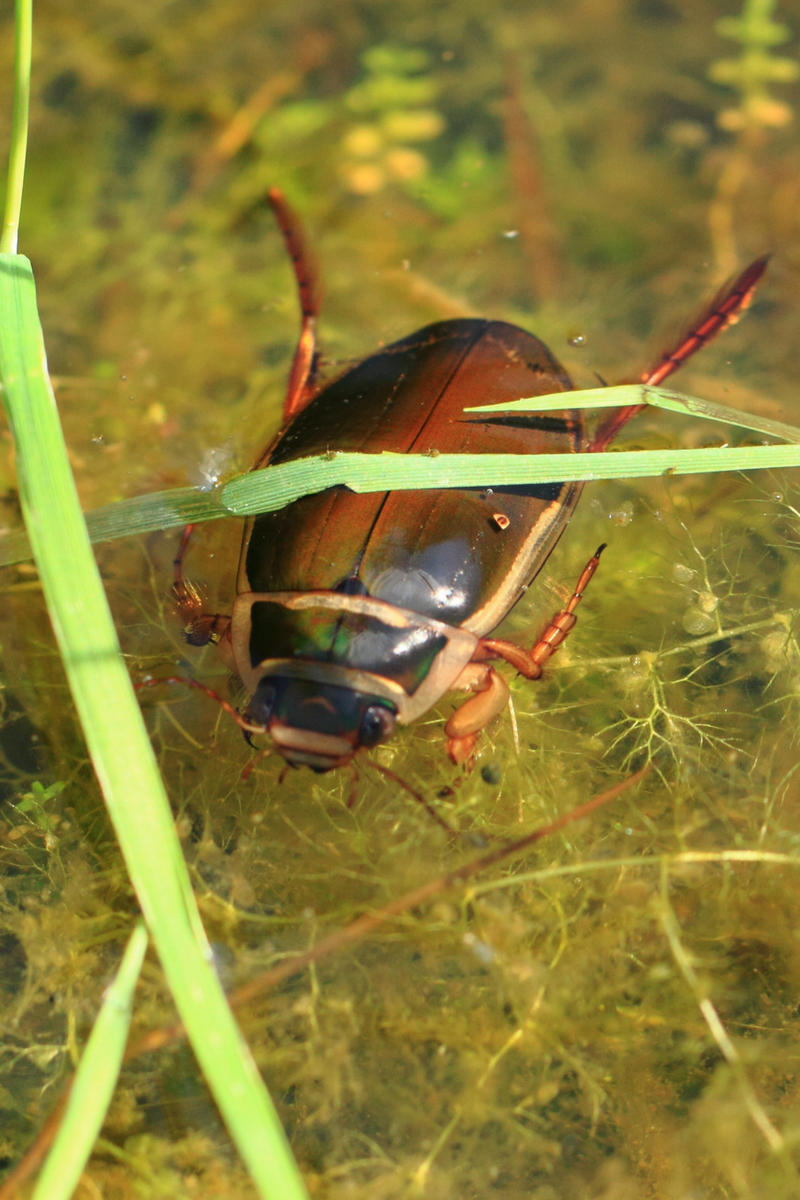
319,725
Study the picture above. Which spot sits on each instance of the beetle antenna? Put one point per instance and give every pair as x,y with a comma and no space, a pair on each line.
301,377
724,309
241,721
420,799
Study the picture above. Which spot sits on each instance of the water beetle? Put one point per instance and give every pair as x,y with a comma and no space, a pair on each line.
355,613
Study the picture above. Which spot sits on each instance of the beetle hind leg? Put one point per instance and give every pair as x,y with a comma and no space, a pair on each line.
530,663
491,690
467,722
300,388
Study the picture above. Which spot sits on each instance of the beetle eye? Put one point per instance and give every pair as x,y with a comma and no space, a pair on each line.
259,710
377,724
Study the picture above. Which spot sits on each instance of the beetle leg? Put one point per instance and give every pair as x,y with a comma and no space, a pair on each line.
199,627
491,697
247,770
247,726
531,662
301,377
724,309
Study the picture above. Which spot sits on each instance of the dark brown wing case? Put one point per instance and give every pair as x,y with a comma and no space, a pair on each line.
443,553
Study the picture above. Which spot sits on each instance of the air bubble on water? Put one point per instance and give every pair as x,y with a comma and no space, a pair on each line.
482,951
212,466
623,515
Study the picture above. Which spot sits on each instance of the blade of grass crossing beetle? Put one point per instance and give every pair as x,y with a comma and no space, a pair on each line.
118,741
94,1080
273,487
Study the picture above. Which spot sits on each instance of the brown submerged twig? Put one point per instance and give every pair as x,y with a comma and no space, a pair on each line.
537,232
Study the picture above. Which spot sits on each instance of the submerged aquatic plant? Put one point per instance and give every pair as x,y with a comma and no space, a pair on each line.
753,75
393,102
756,70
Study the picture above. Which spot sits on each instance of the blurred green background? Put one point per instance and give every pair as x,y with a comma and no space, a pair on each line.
591,170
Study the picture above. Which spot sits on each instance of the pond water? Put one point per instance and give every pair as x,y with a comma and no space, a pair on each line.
615,1013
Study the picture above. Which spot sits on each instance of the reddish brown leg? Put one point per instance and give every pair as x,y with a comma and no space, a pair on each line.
352,795
723,310
301,377
200,627
244,724
254,761
491,697
531,662
465,726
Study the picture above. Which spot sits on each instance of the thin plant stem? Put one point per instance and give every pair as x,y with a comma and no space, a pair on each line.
669,923
23,32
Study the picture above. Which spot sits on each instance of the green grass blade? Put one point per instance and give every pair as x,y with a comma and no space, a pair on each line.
118,741
638,393
94,1081
695,407
156,510
127,518
272,488
619,396
23,33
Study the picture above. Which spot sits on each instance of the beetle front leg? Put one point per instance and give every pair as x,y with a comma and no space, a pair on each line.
530,663
467,722
199,626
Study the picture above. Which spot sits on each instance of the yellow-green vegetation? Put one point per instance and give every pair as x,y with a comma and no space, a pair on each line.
616,1013
754,75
